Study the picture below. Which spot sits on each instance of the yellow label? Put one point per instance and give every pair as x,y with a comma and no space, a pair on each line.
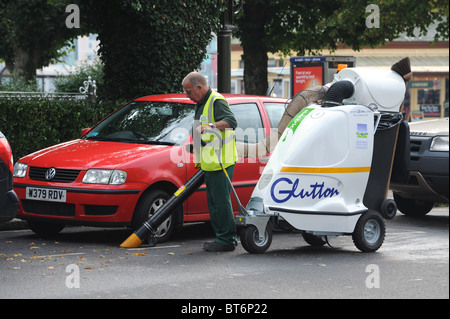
180,190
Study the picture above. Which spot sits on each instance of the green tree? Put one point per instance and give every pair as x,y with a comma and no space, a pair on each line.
148,47
307,27
32,33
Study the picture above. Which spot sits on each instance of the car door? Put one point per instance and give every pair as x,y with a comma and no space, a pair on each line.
251,129
247,170
254,124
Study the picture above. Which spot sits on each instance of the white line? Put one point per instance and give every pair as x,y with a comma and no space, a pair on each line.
61,255
156,247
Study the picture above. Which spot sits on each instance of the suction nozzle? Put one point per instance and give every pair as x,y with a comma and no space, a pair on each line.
337,92
132,242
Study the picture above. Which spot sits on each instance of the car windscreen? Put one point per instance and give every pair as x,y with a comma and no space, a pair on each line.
146,122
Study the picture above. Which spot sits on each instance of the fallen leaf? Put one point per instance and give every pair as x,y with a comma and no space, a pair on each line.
140,254
34,247
172,254
51,267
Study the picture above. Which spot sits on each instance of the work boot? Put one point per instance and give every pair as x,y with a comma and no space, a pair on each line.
216,247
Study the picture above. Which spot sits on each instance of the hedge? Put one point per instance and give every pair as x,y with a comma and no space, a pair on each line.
31,125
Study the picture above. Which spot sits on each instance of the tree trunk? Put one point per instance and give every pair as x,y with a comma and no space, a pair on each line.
25,64
254,46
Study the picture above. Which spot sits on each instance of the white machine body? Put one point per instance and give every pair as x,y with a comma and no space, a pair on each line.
383,90
317,175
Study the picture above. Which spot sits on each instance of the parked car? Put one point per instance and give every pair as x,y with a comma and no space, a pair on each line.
8,198
123,169
428,181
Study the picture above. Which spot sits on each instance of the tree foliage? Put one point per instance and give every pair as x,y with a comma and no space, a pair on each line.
32,32
148,47
308,27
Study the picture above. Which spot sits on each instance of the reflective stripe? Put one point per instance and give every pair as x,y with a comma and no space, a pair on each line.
325,170
209,156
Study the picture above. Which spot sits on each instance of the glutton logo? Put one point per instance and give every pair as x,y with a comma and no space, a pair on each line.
284,189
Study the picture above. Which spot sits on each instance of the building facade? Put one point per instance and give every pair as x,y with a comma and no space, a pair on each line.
427,93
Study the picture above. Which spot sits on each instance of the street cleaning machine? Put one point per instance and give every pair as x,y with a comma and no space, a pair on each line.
329,172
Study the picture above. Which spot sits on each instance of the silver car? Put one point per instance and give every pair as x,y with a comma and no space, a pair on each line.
428,181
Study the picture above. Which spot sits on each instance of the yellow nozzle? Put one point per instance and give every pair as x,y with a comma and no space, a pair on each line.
131,242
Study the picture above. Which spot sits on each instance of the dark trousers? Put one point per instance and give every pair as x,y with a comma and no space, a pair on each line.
219,203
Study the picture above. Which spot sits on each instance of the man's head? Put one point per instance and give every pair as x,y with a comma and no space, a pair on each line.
195,86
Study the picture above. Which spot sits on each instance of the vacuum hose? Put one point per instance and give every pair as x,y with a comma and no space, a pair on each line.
267,145
338,92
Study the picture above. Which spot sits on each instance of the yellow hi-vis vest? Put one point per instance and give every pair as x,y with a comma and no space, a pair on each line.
209,159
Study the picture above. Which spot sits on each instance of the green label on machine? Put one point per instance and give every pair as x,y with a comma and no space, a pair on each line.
293,125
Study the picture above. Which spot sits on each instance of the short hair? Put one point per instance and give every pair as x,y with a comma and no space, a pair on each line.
196,78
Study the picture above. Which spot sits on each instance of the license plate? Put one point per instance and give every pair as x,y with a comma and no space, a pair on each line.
47,194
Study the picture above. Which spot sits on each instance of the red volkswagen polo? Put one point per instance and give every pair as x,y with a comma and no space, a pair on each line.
123,169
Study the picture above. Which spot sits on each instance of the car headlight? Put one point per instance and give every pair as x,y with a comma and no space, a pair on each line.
105,176
20,169
439,144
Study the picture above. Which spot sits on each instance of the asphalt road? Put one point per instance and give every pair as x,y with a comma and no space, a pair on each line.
85,262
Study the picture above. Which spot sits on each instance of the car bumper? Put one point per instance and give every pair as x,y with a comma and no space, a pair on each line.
428,180
83,206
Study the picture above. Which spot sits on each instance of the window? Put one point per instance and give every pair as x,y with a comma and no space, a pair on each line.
250,128
146,123
428,96
275,112
277,88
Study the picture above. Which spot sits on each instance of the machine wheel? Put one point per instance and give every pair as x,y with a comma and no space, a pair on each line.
388,209
369,232
147,206
313,240
252,243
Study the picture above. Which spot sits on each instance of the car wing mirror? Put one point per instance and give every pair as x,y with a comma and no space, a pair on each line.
84,131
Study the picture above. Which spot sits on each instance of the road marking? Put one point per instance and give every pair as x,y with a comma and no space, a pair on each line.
60,255
156,247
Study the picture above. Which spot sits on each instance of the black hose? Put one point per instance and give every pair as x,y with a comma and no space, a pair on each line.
337,93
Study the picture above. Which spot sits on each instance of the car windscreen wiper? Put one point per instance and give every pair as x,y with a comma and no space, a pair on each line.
157,142
98,138
128,140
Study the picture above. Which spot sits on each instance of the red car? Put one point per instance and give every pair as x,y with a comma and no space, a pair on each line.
8,198
123,169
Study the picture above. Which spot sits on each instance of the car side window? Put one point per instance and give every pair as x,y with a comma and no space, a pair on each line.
275,112
250,128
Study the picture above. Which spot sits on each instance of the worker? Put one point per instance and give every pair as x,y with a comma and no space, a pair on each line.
213,113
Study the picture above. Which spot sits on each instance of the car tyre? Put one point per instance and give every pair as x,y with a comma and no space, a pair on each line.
413,207
147,206
313,240
45,229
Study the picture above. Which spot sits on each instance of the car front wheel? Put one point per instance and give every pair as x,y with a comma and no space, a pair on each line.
147,207
45,229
